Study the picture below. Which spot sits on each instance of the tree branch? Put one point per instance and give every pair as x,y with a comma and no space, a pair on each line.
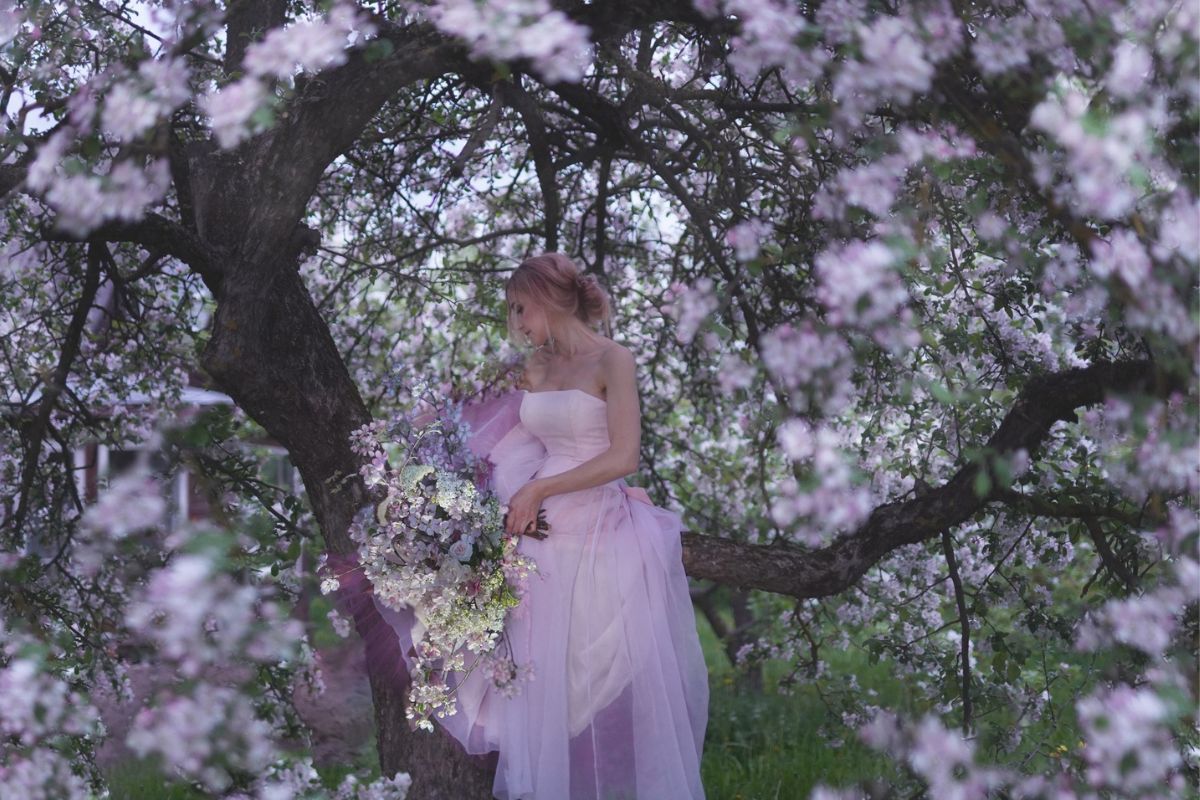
159,235
58,381
539,143
793,570
1107,556
964,620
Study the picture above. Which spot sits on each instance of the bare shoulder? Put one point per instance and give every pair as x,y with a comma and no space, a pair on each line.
618,363
617,354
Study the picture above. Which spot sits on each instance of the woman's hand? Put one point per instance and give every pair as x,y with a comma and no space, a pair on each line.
523,509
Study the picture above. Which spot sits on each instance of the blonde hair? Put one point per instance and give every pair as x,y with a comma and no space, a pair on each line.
555,282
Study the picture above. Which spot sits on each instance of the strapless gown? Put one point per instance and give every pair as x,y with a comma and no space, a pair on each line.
618,703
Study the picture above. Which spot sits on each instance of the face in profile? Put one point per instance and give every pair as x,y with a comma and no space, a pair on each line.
528,319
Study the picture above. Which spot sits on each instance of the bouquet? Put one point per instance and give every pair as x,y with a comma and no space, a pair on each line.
436,544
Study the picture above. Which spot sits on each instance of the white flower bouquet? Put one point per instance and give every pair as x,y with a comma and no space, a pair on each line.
436,544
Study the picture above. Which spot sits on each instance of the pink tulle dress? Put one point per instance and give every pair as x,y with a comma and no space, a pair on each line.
618,702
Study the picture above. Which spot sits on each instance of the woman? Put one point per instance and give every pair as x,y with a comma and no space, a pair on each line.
617,702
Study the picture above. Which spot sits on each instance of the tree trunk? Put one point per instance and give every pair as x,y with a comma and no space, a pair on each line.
273,354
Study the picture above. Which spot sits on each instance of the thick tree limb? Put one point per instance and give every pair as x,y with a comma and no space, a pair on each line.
246,21
156,234
539,143
800,572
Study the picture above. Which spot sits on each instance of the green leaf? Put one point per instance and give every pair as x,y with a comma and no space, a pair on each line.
983,483
378,50
264,117
721,330
1003,469
941,393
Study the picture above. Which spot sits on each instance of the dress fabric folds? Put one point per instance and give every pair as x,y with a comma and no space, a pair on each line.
618,702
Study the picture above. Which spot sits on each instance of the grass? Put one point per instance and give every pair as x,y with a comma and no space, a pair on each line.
142,779
765,746
135,779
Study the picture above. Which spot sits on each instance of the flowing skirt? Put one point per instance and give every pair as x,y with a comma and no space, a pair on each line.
617,704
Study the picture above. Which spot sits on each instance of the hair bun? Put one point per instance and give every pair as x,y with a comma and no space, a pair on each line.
558,283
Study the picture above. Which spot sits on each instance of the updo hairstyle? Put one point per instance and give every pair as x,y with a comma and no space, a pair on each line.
555,282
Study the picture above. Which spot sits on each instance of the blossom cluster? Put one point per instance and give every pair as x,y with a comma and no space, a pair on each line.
1146,447
133,502
40,713
831,498
123,104
506,30
85,201
288,778
308,46
208,735
746,238
860,287
198,616
691,306
1100,154
814,365
767,37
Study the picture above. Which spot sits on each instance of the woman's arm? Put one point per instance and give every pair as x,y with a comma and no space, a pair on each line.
624,432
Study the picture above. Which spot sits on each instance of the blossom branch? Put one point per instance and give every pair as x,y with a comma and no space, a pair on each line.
800,572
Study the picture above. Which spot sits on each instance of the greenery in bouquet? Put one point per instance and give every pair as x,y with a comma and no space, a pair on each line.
434,540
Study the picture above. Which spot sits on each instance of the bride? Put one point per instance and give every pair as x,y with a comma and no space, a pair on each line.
616,704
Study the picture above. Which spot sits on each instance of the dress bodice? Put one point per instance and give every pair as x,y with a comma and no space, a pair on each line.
571,423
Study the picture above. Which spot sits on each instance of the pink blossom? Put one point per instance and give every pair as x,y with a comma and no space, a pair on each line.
893,68
1179,229
197,616
511,29
691,307
840,19
128,111
340,625
734,373
1131,67
990,226
943,32
1128,750
133,106
1001,45
820,362
10,23
79,201
767,38
1122,257
204,734
859,286
231,107
42,171
307,46
746,238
